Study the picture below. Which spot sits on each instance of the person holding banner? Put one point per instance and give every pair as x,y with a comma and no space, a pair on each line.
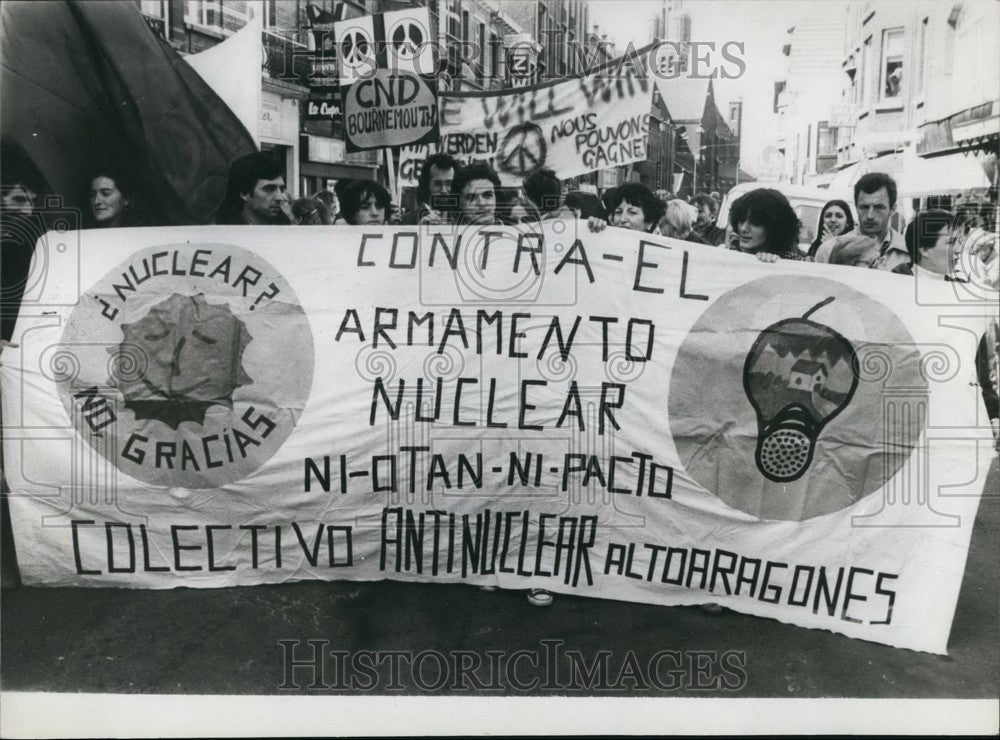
309,212
766,226
330,206
545,191
933,241
515,208
476,188
365,203
835,219
255,193
433,190
584,205
678,222
114,201
20,227
704,223
632,206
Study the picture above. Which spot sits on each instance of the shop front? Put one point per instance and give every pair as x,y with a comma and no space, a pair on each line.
279,124
327,161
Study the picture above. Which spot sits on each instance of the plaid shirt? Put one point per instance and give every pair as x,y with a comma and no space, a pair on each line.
892,252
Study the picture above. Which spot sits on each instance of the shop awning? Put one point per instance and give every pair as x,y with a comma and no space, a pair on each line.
917,176
337,171
973,129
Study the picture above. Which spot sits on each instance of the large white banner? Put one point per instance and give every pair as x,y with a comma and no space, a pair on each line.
619,416
574,126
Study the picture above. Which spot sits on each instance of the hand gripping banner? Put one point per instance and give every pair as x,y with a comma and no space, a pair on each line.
618,415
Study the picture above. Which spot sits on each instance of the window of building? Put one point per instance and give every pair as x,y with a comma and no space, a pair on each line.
156,14
154,8
465,26
891,69
266,10
921,52
481,53
950,30
496,45
542,59
203,12
562,48
454,19
864,71
826,140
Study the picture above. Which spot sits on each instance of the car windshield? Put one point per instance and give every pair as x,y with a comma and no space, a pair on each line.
809,218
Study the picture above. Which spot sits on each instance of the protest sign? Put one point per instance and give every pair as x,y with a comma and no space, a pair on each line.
616,415
387,79
574,126
411,162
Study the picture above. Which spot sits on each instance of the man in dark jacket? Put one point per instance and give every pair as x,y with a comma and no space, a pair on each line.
704,224
433,191
256,193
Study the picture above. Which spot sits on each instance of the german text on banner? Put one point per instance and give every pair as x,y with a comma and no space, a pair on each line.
574,126
618,415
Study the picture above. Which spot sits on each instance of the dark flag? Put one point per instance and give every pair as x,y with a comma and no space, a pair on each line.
88,85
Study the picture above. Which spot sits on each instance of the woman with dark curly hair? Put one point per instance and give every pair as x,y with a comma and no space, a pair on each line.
365,203
477,190
766,225
631,206
835,219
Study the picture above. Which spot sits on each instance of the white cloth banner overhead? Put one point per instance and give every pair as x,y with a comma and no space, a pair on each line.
616,415
574,126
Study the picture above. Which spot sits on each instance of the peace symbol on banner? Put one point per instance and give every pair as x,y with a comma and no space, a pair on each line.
355,50
522,150
407,38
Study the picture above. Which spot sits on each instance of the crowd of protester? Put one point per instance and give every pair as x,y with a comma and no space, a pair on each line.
936,244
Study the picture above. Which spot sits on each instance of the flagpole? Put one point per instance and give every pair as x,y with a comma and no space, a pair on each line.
390,165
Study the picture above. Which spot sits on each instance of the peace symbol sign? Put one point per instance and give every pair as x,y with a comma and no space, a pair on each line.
407,39
522,150
354,48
